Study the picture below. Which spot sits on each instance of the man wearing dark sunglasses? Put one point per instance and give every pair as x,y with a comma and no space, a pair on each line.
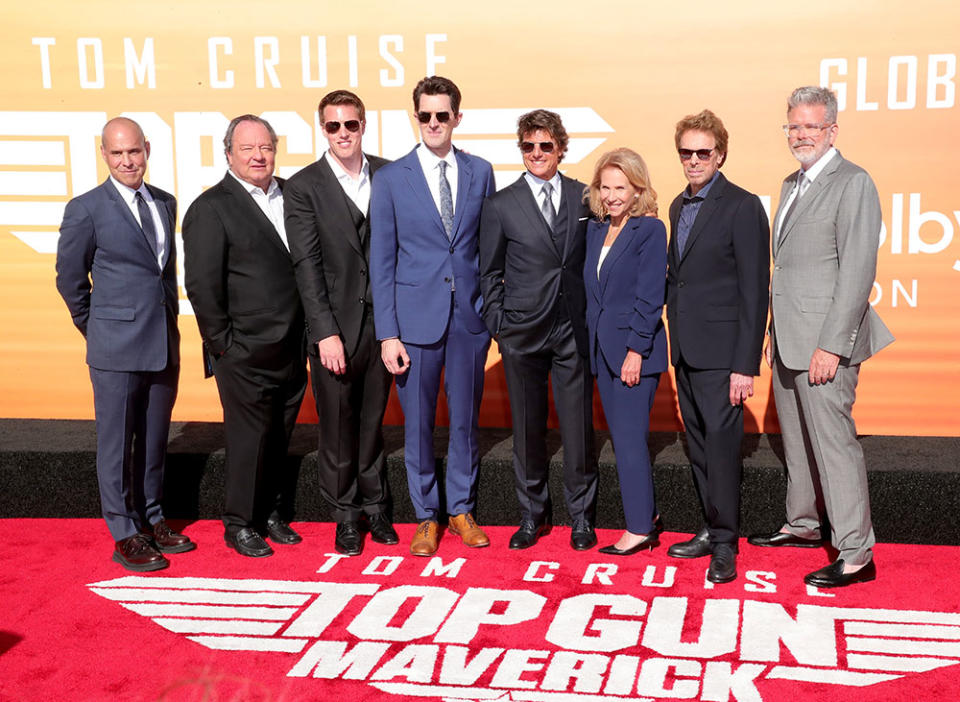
424,217
718,270
532,247
326,209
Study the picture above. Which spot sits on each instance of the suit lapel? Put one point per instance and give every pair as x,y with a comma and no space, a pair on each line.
246,202
527,204
168,224
571,199
616,251
417,180
334,200
595,237
788,184
705,213
464,179
820,183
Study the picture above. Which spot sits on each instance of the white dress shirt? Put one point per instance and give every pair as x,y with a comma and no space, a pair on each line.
270,203
430,163
129,196
358,190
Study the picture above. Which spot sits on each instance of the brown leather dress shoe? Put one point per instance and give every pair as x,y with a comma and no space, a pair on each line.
426,539
138,554
464,526
168,541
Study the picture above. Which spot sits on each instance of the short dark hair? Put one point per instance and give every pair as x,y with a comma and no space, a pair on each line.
549,122
341,97
437,85
705,121
232,127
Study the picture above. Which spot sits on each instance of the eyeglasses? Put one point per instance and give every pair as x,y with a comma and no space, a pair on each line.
352,125
790,129
424,117
546,147
702,154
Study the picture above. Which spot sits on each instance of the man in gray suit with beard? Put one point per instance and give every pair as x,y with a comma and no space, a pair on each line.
826,235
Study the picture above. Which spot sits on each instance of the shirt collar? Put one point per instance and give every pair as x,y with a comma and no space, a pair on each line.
537,183
430,160
702,193
817,168
129,194
339,171
253,189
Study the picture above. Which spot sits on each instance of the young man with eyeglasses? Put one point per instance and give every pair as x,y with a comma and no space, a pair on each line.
532,248
326,209
718,272
822,327
424,218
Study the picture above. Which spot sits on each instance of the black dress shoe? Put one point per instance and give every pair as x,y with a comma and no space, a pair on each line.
582,536
723,564
138,554
166,540
247,542
382,531
697,547
779,538
280,532
833,575
648,542
348,540
528,533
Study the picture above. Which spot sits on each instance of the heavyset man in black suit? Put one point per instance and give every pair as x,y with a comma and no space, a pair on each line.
241,284
327,209
532,246
718,272
116,257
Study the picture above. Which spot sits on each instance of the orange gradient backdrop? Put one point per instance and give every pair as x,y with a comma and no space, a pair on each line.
621,73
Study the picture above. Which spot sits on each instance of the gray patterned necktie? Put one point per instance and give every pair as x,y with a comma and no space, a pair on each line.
446,201
546,207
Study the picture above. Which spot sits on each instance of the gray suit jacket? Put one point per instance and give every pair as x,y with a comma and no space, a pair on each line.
825,262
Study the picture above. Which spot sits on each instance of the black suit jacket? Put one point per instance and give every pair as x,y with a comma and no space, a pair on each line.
718,288
524,274
240,280
330,249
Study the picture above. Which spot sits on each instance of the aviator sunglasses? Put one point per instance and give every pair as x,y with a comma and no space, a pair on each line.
546,147
352,125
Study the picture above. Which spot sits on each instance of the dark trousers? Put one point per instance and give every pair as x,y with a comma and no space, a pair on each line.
628,416
527,375
132,411
350,407
714,430
259,412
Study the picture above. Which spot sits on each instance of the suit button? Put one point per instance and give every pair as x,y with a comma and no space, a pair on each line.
446,279
778,268
362,300
680,284
451,249
363,271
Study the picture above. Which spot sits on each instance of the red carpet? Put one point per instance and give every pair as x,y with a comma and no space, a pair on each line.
548,624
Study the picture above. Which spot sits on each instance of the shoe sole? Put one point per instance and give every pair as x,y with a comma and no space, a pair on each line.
386,542
825,586
457,533
182,548
347,552
145,568
690,556
721,581
812,544
285,541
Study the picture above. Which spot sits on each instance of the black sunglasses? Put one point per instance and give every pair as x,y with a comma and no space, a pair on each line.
687,154
352,125
546,147
442,117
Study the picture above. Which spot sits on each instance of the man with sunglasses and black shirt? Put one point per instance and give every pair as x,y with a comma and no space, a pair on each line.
424,218
718,272
326,208
532,248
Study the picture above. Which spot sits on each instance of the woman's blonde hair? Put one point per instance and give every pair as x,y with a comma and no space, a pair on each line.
632,165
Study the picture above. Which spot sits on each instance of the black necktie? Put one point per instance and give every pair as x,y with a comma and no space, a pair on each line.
146,222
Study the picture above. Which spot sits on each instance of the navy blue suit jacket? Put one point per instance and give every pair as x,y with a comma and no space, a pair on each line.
118,295
625,304
412,263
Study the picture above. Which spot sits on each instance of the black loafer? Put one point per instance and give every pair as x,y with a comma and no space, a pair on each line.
280,532
382,531
697,547
348,540
833,575
247,542
582,536
528,534
779,538
723,564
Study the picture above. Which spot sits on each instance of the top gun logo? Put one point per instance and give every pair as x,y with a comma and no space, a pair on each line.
432,642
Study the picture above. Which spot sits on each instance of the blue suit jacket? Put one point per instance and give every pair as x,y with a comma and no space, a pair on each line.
625,305
117,294
412,263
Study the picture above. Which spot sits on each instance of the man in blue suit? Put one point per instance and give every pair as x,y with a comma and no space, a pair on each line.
424,218
117,272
